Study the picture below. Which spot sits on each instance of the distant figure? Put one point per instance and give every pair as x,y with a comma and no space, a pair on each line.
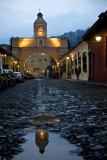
77,73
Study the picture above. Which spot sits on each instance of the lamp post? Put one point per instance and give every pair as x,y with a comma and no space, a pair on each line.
13,66
53,72
18,67
57,71
67,67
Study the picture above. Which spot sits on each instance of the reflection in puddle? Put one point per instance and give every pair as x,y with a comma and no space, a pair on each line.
41,133
43,117
41,139
51,146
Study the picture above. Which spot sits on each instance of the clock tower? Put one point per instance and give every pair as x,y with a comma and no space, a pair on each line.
40,27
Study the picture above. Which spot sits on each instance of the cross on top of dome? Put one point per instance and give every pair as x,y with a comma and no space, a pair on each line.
40,14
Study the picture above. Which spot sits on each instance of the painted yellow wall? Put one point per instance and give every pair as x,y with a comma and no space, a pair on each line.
32,42
52,42
27,42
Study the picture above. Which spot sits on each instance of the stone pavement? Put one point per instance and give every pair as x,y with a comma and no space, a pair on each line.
81,109
102,84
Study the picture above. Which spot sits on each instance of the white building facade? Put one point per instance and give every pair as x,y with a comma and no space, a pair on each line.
80,62
1,61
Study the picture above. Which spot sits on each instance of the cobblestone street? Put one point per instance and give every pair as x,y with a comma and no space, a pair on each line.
81,108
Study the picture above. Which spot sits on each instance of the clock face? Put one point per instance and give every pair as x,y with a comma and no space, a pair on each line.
40,31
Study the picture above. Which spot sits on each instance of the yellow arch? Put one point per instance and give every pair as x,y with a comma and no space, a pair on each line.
40,53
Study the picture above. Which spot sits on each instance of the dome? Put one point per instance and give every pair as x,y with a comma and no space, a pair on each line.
40,19
40,14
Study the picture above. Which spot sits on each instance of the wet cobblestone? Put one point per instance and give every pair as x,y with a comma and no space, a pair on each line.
82,111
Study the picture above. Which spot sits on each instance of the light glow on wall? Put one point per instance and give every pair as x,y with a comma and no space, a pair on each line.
55,42
26,42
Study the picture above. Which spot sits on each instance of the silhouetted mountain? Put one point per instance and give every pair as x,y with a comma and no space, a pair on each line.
74,37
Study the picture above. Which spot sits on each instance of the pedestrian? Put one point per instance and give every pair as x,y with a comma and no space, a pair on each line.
77,73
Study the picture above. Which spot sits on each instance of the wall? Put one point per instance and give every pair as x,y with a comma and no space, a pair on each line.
52,42
33,42
23,48
99,52
1,61
80,48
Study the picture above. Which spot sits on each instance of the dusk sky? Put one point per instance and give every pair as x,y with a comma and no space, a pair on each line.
17,16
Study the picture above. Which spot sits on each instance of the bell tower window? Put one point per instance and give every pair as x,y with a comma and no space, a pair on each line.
40,42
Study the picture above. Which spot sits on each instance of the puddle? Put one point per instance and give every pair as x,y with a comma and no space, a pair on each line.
43,145
43,141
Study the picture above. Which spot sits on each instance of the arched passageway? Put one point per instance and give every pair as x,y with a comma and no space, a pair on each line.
39,65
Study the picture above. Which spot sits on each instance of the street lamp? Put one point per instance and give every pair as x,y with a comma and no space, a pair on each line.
72,57
98,38
57,64
67,58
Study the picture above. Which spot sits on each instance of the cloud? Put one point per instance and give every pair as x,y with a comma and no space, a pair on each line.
49,7
17,16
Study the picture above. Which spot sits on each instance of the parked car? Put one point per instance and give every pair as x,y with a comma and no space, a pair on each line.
1,80
10,76
1,83
25,76
19,77
4,79
29,76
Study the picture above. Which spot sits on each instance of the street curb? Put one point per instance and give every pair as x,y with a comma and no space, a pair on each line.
88,83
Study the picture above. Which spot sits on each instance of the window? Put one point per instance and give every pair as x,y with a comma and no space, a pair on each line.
45,60
40,43
79,62
36,69
75,61
84,59
40,60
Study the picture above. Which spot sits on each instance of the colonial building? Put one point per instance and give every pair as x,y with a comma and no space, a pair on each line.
89,57
65,66
80,61
96,38
7,60
24,48
3,54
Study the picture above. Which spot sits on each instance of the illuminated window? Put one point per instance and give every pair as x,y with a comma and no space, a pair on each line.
40,30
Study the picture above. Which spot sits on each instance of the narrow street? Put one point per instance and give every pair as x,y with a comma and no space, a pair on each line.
81,109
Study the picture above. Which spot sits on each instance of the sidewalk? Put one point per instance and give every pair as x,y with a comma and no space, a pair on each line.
101,84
